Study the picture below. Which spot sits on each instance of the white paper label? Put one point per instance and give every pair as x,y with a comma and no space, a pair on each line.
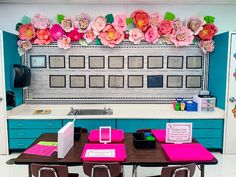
100,153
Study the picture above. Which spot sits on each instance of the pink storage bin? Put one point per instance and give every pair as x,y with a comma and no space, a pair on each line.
160,135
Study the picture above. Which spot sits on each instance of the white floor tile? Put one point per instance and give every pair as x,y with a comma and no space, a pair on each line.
225,168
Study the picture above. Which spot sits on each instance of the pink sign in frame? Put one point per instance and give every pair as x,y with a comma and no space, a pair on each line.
179,133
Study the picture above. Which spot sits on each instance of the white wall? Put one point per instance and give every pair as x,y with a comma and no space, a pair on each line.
11,14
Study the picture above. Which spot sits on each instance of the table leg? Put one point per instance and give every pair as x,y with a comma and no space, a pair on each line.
29,171
134,171
202,169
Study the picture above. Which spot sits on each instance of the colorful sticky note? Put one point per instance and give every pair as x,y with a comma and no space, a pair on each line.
48,143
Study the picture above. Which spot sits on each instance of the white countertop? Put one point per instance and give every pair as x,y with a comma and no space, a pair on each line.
120,111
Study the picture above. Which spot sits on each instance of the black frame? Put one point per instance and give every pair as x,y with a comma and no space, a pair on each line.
193,76
193,67
63,56
168,57
152,76
97,76
135,67
116,76
109,67
77,76
76,56
50,83
45,61
162,58
174,76
134,86
103,57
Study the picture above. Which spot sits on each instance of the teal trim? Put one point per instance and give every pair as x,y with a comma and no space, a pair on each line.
11,57
30,133
218,69
35,124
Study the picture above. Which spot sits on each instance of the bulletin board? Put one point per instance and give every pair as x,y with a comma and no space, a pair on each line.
126,73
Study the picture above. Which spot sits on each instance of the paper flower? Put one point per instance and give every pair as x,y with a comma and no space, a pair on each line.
42,37
120,22
208,32
23,46
74,35
165,27
56,32
195,24
82,22
26,32
99,24
67,24
177,23
89,36
141,19
110,36
136,35
155,19
206,46
40,22
64,42
152,35
182,37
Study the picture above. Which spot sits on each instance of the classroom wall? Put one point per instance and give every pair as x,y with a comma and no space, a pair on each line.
12,13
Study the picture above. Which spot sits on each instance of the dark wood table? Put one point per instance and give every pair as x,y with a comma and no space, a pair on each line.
136,157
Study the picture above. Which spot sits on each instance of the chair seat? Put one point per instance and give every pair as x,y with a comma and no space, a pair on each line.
73,175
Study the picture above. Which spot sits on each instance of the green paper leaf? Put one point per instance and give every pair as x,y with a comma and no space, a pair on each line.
18,26
195,40
209,19
60,17
83,42
110,18
98,41
25,20
129,20
130,26
169,16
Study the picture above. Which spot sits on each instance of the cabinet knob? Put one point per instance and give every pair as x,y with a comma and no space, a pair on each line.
0,98
232,99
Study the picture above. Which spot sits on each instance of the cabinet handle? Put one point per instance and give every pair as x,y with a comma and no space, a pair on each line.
20,124
21,134
20,144
49,124
210,125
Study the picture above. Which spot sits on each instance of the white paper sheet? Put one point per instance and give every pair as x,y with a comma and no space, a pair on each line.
100,153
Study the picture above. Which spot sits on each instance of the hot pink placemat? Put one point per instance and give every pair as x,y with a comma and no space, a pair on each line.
120,152
160,135
187,152
41,150
117,136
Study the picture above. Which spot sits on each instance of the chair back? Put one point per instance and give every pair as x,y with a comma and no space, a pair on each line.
92,169
179,171
39,170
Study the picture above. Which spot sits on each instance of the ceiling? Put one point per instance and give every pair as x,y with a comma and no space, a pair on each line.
118,1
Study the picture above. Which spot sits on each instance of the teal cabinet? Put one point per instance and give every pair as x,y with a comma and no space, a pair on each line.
131,125
22,133
90,124
209,132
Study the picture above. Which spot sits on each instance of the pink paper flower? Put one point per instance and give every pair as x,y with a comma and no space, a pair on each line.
206,46
74,35
155,19
195,24
177,23
141,19
182,37
67,24
110,36
26,32
208,32
89,36
152,35
56,32
64,42
40,22
136,35
42,37
120,22
99,24
166,27
26,45
82,22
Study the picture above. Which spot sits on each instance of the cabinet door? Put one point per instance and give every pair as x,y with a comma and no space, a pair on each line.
131,125
90,124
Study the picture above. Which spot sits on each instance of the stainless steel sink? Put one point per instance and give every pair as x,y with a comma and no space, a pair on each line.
105,111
